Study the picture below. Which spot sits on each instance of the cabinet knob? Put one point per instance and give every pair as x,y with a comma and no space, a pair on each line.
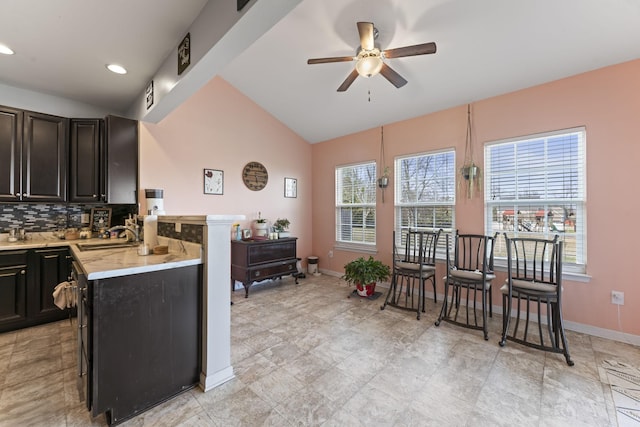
257,273
24,194
94,196
23,272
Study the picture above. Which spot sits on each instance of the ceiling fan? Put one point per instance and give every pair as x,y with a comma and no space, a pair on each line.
370,58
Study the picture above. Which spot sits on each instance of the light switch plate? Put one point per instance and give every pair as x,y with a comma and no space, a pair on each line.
178,227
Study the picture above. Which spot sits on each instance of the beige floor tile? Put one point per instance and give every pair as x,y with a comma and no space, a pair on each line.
311,355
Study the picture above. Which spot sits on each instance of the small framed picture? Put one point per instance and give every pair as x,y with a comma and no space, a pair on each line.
213,181
149,95
290,187
246,234
100,218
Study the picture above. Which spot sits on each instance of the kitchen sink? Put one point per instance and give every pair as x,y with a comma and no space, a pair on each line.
100,246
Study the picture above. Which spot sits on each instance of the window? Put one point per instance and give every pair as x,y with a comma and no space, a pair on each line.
356,204
425,193
535,186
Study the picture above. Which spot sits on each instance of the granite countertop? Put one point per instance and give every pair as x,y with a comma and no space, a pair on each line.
42,240
105,263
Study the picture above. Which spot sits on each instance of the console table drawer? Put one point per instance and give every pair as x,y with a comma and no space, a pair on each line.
274,269
269,253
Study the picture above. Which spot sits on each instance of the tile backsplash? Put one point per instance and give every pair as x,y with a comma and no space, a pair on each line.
47,217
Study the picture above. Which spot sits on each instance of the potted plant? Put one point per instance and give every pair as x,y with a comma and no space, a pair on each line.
364,273
281,225
260,227
470,171
383,181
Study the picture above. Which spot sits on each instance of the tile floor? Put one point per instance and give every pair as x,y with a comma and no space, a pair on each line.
308,355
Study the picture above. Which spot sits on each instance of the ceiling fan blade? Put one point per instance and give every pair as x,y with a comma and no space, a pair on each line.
330,59
365,29
347,82
418,49
396,79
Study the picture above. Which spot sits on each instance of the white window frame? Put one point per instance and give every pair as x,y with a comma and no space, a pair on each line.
368,191
449,179
521,215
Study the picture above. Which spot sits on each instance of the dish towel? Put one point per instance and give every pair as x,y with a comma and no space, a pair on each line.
64,295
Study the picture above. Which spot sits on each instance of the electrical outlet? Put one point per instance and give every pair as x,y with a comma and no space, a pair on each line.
84,218
330,254
617,297
178,227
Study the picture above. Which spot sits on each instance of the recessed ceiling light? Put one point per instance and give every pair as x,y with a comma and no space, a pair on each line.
5,50
116,69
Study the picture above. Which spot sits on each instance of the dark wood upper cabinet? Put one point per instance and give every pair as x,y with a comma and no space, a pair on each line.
86,169
33,156
122,160
10,153
44,158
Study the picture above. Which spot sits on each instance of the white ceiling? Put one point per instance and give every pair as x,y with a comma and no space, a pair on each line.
485,48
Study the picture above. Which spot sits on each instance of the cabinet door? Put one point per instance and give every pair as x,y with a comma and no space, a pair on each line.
10,153
13,289
50,267
122,160
44,158
85,169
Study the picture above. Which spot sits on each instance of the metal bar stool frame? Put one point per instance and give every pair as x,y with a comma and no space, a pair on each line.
471,269
412,269
534,275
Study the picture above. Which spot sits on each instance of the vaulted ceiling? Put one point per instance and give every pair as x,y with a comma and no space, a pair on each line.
485,48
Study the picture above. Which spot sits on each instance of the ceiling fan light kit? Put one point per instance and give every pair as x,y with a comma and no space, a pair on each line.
369,62
370,59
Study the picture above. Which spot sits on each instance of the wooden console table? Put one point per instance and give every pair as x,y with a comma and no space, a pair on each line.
255,260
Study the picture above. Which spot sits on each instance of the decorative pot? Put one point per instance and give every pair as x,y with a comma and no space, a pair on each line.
383,181
260,229
469,172
283,234
366,290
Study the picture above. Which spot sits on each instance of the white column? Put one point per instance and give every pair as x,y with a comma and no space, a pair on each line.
216,313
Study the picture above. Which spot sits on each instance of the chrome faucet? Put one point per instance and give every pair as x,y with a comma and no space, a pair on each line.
130,228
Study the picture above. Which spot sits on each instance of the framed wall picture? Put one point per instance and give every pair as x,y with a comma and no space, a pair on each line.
213,181
290,187
184,53
149,95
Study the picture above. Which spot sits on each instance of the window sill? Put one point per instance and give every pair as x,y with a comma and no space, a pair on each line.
356,247
566,275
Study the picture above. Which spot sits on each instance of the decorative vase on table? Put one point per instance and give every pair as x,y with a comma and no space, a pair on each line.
260,230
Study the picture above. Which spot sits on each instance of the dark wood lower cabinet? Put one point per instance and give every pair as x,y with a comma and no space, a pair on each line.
27,280
13,289
50,267
144,340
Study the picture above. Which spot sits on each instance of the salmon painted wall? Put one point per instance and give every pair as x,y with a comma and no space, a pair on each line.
605,101
220,128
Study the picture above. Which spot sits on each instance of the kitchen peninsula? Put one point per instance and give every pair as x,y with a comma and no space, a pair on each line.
199,251
139,325
182,234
